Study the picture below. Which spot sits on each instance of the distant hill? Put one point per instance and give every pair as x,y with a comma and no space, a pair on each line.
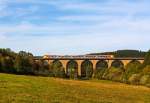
123,53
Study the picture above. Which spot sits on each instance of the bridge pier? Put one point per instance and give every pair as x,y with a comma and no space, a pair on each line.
79,62
109,63
125,62
64,63
94,62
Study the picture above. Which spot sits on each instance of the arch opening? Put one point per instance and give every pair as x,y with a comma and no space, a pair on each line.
117,64
135,62
58,69
72,68
86,69
57,63
102,64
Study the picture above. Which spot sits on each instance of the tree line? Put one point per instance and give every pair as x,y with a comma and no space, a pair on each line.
24,63
124,53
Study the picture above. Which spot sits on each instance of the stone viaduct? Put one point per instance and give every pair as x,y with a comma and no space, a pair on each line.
93,59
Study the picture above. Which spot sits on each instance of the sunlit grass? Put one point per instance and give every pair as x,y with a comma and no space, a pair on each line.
30,89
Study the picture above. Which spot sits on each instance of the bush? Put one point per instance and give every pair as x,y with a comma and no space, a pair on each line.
130,69
59,72
114,74
72,73
98,73
147,59
145,80
146,70
134,79
41,69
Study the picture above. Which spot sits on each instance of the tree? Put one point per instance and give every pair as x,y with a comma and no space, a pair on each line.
145,79
86,69
89,71
98,73
131,68
113,73
134,79
7,65
7,52
42,68
147,59
72,69
58,69
24,63
72,73
146,70
0,63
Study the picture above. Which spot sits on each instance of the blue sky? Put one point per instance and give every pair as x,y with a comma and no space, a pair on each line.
74,26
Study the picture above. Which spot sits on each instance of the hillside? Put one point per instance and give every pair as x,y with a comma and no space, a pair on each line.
29,89
123,53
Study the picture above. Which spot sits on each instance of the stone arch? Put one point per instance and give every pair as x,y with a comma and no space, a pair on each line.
46,62
117,64
50,62
125,62
58,63
135,62
72,64
86,68
101,64
141,61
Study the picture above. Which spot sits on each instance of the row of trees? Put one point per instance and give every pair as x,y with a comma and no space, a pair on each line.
24,63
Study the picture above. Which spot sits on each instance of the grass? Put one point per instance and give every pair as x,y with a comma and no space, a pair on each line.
30,89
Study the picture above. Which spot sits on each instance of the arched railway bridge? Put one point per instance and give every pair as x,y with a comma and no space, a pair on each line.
95,61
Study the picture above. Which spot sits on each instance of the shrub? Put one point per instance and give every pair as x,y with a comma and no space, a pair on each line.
145,80
131,68
72,73
41,68
98,73
89,71
59,72
147,59
114,74
146,70
134,79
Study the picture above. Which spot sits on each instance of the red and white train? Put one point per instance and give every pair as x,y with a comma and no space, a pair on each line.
78,57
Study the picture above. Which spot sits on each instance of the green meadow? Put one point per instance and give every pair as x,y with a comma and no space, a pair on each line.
30,89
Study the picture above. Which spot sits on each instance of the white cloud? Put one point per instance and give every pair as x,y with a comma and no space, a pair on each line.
2,37
101,28
76,44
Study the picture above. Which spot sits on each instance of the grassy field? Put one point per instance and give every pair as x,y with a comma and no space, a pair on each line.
29,89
